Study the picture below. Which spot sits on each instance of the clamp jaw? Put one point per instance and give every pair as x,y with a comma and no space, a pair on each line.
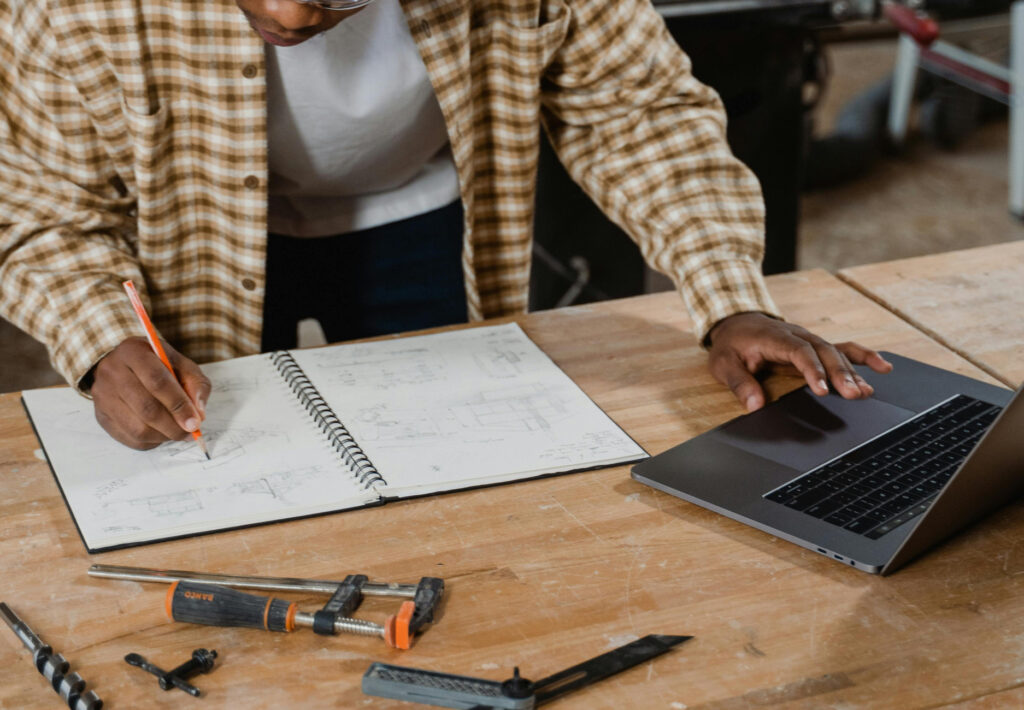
399,628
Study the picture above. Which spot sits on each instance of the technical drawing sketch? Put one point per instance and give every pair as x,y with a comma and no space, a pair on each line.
268,460
494,407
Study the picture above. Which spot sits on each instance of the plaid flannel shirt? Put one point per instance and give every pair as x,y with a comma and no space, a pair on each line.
133,145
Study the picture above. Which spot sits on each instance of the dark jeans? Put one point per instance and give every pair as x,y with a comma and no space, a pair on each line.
396,277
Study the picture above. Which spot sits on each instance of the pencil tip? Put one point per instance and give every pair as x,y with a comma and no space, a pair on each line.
202,447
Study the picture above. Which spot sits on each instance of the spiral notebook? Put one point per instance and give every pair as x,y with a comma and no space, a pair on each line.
307,432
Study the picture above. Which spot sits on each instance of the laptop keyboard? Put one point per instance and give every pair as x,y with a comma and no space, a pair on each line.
875,488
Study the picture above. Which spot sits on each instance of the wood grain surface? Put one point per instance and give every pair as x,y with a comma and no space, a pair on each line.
546,573
969,300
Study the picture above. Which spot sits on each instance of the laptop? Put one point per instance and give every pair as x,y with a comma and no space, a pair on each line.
870,483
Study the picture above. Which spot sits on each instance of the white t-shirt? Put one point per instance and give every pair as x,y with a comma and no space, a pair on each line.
357,138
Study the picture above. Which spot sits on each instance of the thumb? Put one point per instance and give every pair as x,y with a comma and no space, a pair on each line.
731,372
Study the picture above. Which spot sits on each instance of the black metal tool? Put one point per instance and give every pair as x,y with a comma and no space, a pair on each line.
516,693
52,666
201,662
204,598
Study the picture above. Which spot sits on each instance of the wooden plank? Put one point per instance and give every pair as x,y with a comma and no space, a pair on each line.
968,300
544,574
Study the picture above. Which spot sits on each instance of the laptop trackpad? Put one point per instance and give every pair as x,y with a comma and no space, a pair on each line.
802,430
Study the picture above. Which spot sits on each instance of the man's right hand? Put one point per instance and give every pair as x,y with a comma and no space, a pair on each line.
139,402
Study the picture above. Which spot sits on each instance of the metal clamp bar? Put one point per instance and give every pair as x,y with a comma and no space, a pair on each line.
276,584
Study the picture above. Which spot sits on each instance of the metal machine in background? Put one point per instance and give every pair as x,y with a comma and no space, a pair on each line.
760,55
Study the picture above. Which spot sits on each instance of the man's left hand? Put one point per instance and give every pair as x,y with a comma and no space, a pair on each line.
743,344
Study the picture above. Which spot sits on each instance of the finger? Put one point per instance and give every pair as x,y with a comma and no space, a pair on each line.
196,385
731,372
803,356
841,373
161,400
147,412
158,401
865,356
117,418
127,430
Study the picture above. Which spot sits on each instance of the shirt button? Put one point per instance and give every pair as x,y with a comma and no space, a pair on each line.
249,71
251,182
248,284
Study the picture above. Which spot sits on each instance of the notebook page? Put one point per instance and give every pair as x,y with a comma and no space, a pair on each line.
463,408
268,462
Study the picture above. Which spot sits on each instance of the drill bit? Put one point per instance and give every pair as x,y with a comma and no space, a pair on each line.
52,666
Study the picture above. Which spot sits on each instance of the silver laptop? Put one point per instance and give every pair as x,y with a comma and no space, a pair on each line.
870,483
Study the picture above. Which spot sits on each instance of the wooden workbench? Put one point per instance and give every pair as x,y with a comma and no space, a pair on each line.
543,574
968,300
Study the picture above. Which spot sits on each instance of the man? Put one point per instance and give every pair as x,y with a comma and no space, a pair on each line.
134,144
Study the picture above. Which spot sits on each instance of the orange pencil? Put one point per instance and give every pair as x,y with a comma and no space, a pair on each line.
154,342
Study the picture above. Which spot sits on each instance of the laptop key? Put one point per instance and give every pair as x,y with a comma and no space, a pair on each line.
845,497
861,525
787,492
847,479
840,517
880,530
807,499
874,480
913,478
975,408
880,496
826,507
976,426
952,405
888,510
858,508
838,466
860,488
897,467
897,486
932,485
878,515
816,477
990,416
920,491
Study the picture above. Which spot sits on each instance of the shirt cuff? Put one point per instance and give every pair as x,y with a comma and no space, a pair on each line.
97,331
722,289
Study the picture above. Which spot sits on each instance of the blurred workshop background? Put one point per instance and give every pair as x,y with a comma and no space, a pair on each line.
808,86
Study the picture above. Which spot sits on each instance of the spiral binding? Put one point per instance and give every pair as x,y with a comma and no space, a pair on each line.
327,421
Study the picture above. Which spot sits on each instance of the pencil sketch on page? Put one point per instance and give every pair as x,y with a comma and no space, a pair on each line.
475,405
266,461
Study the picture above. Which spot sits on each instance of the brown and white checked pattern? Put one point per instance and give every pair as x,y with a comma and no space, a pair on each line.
133,145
